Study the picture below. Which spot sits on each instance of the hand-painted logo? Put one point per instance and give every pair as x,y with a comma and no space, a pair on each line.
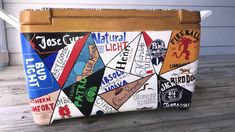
36,74
104,106
142,62
117,97
157,51
46,43
64,111
91,94
172,95
145,97
121,64
183,71
113,80
90,64
184,42
145,88
182,50
83,93
184,76
108,41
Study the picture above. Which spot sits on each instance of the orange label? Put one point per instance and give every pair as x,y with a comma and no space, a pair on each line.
183,49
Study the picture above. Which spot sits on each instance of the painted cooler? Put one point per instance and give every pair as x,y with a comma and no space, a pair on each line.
93,62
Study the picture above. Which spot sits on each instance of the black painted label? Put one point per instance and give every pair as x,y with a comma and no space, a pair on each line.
84,92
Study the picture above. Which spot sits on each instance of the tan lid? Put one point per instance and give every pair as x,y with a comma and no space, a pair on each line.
63,20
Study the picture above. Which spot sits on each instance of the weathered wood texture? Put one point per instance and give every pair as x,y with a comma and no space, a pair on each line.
213,106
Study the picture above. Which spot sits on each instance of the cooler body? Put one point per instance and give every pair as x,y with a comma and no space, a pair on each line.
93,62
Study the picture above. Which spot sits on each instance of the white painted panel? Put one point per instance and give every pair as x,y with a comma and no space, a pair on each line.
134,2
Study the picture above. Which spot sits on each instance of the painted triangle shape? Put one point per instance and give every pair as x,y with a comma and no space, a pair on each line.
172,95
157,43
46,44
102,107
124,60
49,60
183,49
62,70
148,39
183,76
117,97
109,44
65,108
43,107
142,65
83,93
57,61
87,63
113,79
146,97
39,79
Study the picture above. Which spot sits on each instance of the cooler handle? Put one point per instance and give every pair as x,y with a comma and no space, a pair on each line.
205,14
10,19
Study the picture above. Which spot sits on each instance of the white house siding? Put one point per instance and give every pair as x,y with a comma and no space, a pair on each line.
4,58
218,31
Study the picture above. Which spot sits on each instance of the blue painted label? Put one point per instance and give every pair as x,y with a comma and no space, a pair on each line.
49,61
86,64
39,79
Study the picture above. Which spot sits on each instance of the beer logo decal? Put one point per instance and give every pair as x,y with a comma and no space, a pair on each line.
142,65
157,43
39,79
157,50
124,59
109,44
81,74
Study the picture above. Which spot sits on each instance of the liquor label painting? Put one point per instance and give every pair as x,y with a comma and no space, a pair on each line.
183,49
